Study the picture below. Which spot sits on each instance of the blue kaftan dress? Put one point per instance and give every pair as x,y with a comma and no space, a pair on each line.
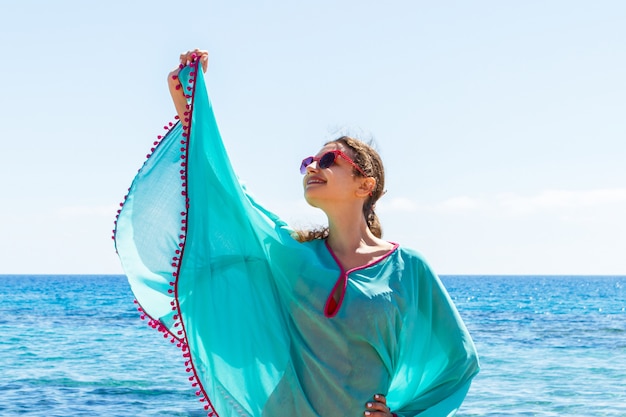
251,308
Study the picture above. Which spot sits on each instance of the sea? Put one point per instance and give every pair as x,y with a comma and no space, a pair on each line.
74,345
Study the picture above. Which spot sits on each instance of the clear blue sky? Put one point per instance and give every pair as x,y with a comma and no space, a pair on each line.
502,124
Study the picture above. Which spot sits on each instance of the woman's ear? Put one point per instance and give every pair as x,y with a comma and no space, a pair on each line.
366,187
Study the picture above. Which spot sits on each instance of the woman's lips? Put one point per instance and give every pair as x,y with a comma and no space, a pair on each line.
314,180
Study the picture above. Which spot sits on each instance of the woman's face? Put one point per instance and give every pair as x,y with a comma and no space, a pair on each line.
335,183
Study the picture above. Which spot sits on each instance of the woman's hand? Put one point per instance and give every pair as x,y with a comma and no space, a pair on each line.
203,56
185,59
378,407
178,96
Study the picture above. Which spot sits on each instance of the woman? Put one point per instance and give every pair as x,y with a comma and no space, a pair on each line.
274,322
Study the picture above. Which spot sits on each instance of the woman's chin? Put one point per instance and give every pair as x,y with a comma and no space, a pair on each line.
311,200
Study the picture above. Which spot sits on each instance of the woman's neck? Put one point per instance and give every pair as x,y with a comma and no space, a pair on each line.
349,234
355,247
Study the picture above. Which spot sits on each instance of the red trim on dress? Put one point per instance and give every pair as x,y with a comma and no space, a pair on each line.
331,308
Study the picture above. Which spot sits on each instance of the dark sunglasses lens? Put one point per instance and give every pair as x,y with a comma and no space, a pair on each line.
327,160
305,163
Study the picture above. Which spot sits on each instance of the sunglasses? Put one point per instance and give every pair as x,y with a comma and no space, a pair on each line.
326,160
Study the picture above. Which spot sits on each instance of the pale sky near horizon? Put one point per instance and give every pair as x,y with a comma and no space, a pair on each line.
501,124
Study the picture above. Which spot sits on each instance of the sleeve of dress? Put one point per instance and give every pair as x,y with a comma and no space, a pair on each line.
437,359
197,250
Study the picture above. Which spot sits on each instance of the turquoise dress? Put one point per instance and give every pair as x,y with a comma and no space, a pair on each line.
251,307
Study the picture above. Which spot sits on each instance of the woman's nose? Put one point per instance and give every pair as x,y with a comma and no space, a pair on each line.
312,167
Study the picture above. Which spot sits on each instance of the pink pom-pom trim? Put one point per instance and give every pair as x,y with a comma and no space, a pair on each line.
178,336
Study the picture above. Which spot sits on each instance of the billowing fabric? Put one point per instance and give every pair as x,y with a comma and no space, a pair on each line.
251,307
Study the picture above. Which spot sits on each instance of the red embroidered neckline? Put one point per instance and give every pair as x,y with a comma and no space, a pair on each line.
331,307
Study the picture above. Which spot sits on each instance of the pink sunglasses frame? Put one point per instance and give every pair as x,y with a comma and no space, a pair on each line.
309,160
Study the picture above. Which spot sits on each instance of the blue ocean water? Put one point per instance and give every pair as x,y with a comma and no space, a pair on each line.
75,346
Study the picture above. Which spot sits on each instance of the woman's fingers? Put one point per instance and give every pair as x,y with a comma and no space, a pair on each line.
202,55
377,407
204,60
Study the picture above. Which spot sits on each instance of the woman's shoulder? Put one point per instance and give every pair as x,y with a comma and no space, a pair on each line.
409,253
415,258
